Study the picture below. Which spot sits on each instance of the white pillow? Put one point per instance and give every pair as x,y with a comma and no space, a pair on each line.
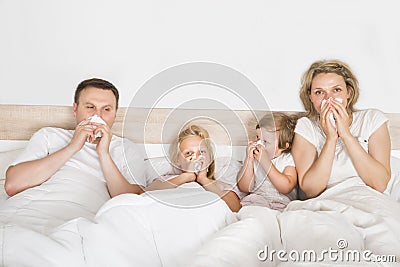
226,169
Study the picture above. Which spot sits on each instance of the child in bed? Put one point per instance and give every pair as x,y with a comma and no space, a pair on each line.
191,156
268,173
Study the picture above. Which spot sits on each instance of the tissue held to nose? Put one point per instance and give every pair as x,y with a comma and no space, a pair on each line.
331,117
97,119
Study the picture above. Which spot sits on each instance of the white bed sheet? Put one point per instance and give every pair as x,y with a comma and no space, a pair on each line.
129,230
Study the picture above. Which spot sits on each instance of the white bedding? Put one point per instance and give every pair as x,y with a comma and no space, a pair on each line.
191,227
350,215
129,230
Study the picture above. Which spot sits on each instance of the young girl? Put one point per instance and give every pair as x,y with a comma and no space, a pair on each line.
268,172
191,155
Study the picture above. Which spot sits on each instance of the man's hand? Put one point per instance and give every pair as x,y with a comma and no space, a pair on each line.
84,131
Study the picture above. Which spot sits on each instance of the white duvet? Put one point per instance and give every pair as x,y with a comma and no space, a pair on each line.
349,218
161,229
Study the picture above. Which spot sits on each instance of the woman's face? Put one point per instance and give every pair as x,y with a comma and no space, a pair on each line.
192,148
326,85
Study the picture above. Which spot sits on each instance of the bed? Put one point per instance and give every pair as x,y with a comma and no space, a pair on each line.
176,227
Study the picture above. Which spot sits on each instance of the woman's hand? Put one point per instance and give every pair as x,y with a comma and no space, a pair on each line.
326,125
343,120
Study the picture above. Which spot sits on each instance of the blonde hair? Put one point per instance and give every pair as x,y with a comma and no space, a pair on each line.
282,123
192,131
328,66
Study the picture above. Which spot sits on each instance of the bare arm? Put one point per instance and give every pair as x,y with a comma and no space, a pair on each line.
33,173
246,175
230,197
172,183
284,181
313,171
116,182
373,167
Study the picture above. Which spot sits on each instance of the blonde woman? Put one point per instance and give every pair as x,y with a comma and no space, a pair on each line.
334,141
191,156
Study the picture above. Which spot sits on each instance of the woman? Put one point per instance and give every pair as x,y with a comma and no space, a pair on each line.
334,141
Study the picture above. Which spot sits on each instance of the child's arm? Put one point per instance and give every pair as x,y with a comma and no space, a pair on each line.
284,181
230,197
158,184
246,175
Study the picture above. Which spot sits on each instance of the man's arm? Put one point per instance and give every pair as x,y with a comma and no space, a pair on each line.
116,182
35,172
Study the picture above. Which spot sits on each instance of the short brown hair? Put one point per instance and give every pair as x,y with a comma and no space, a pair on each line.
284,123
96,83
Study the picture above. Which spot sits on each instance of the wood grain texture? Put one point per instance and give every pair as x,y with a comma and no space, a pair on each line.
150,126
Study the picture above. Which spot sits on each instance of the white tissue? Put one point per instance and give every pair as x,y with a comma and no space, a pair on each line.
97,119
259,142
198,164
331,117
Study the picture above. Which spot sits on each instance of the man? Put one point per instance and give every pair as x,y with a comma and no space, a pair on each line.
73,167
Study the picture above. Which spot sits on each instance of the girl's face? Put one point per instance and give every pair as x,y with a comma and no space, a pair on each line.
192,148
326,85
270,142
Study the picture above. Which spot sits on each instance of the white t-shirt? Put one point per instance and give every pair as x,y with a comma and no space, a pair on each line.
78,189
264,188
124,153
365,123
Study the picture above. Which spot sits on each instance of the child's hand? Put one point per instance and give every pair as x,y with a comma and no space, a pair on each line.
260,154
202,178
250,150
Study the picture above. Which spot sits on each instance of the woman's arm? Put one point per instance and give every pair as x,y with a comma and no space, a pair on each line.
373,167
313,171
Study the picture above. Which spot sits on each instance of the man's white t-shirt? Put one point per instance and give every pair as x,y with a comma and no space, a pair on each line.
124,153
365,123
78,189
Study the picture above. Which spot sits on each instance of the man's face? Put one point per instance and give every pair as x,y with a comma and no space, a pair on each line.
96,101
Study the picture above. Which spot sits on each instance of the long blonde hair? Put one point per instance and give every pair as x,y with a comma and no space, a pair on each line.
192,131
328,66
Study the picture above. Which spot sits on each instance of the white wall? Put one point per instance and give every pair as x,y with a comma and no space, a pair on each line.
47,47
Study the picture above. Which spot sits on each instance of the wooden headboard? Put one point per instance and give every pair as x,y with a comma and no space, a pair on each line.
19,122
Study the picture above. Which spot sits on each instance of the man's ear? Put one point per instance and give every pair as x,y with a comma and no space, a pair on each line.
75,106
